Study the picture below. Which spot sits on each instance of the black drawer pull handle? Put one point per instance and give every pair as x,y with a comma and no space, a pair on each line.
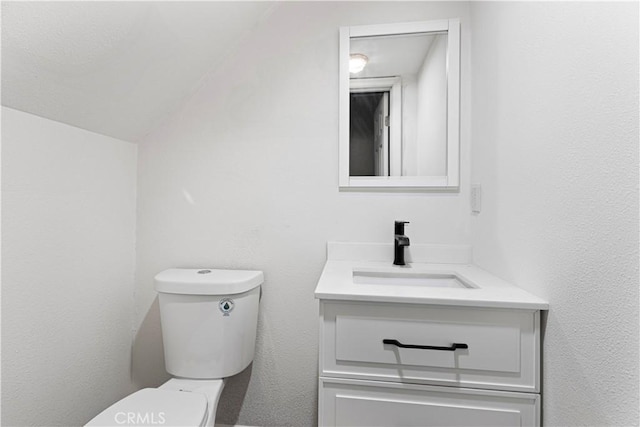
453,346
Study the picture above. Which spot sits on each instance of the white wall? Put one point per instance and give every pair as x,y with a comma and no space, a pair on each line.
555,147
431,152
68,206
245,175
409,125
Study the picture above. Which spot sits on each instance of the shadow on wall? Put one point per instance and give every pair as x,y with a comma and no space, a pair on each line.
233,396
147,356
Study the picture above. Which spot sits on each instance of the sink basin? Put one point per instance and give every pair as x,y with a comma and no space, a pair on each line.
410,278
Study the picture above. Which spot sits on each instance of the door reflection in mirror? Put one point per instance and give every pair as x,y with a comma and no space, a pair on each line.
369,134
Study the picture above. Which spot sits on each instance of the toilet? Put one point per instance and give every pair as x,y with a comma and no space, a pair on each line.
209,319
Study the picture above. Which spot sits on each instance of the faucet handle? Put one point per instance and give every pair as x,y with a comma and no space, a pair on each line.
399,227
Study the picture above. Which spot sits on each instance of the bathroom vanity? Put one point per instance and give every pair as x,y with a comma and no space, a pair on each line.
438,342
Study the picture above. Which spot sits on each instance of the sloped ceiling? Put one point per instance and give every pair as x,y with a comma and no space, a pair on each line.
115,68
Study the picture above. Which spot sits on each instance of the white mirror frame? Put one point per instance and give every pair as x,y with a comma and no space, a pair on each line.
451,180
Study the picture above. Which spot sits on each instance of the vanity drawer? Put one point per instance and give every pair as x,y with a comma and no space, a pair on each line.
501,345
370,403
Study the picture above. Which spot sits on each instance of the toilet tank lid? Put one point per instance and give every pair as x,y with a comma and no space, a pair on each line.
207,281
152,406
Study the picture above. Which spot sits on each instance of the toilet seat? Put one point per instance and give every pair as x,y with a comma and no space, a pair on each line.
152,406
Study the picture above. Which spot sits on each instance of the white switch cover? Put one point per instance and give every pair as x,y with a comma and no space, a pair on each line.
476,198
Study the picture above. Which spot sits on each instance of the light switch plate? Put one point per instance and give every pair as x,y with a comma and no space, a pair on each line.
476,198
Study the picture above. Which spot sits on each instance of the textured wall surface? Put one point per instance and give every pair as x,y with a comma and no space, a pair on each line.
555,147
246,176
68,222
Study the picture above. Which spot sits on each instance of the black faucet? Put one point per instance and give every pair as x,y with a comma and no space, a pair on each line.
399,242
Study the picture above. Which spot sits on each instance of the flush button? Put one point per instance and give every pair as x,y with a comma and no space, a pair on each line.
226,306
204,271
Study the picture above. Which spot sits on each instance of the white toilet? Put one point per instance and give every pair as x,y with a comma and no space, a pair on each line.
209,320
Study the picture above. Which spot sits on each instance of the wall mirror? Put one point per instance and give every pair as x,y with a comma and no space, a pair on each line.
399,106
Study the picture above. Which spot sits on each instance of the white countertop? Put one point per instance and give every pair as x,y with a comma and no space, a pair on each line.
336,283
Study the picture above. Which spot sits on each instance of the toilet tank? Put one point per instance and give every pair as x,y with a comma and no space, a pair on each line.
209,319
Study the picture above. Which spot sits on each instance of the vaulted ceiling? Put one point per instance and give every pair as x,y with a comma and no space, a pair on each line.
116,68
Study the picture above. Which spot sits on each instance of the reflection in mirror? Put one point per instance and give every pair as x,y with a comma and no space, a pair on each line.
399,105
368,138
418,63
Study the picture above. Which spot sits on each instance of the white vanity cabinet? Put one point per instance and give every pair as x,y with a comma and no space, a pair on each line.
438,342
494,381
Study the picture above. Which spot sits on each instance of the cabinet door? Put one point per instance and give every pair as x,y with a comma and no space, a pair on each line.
370,403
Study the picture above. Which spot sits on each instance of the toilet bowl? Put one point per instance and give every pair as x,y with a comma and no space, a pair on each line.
178,402
209,320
